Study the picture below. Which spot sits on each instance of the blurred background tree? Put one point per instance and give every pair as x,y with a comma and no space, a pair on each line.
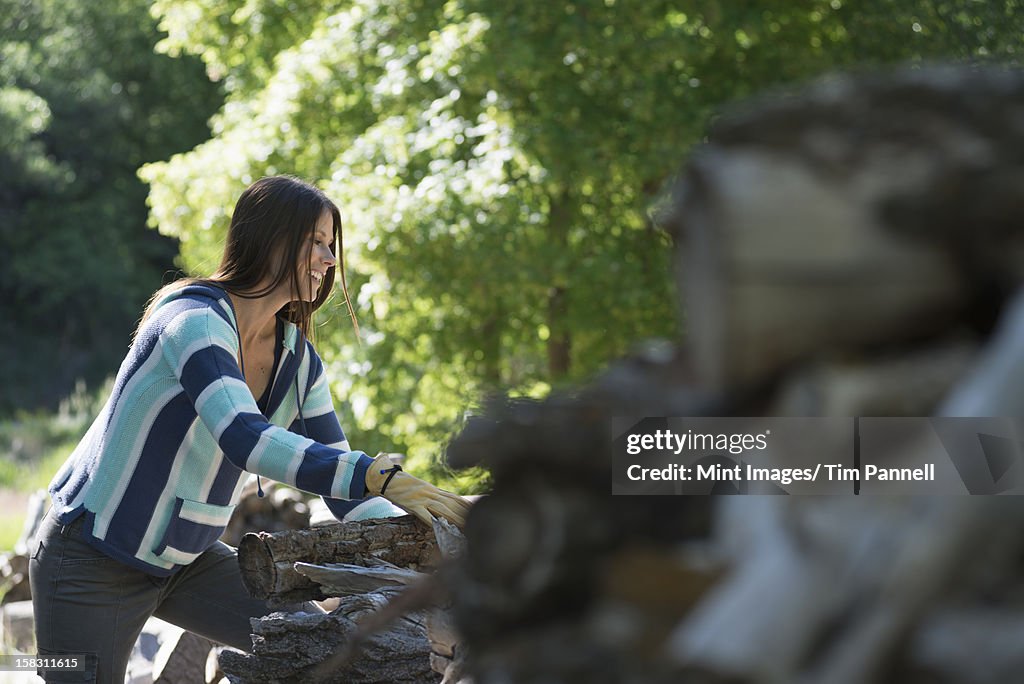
84,102
496,164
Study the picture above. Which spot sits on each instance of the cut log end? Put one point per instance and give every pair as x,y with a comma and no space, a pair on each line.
259,571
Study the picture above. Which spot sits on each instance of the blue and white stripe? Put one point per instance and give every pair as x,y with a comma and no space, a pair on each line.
161,469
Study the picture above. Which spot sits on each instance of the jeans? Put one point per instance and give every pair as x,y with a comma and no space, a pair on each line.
87,603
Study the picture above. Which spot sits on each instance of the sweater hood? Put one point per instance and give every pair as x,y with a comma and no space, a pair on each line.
218,296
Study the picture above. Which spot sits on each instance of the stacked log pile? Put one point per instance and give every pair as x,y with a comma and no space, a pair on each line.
368,565
850,249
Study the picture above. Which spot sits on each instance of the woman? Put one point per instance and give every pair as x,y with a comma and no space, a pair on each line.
220,380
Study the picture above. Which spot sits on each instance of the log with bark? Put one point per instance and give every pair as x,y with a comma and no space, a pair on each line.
288,648
267,560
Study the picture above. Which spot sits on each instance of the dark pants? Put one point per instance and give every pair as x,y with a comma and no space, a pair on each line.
89,604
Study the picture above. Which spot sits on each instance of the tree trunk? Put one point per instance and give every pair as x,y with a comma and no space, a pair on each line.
490,336
560,340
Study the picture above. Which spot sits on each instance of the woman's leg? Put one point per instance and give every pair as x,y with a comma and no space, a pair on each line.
86,603
207,597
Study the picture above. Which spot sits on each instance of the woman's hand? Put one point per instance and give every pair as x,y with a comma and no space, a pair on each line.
420,498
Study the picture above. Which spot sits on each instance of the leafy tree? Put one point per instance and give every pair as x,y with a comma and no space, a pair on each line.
84,102
496,164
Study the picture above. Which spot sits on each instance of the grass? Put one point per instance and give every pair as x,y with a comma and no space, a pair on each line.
33,446
26,478
10,529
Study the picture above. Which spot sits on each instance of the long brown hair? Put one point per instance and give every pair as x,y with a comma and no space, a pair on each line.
271,223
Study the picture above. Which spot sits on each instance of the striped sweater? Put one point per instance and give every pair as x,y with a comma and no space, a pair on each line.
162,467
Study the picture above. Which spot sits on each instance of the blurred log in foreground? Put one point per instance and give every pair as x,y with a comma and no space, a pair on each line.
859,213
829,242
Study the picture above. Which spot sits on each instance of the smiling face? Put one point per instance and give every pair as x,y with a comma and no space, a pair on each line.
315,259
283,243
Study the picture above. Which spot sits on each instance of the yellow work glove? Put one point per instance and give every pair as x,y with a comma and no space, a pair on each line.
422,499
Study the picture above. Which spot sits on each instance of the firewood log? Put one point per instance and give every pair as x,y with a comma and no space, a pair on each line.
287,649
267,560
345,579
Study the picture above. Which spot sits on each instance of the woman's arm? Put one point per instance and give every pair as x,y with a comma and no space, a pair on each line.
319,421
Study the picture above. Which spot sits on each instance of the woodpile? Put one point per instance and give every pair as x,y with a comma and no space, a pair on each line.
387,613
561,581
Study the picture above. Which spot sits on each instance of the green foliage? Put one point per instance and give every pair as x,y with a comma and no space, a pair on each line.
11,525
496,162
28,477
84,101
